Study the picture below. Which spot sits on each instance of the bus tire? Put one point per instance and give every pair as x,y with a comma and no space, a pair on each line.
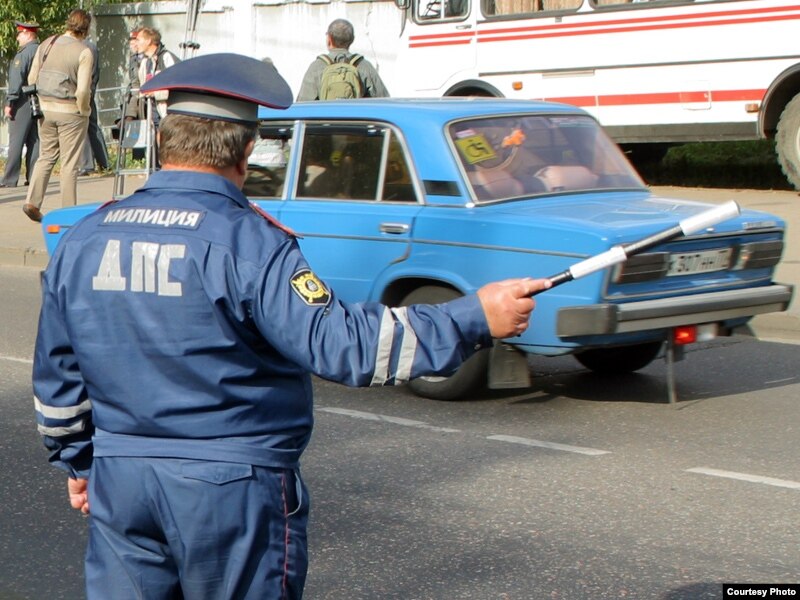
619,359
470,377
787,141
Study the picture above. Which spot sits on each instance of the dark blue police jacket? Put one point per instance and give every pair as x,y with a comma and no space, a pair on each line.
180,323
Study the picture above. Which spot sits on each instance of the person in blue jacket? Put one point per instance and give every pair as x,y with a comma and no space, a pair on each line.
178,331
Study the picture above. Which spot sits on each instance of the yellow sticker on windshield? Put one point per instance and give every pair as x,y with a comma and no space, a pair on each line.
475,149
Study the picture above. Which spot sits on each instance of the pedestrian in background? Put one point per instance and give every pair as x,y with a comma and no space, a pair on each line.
339,38
155,58
172,365
62,71
22,127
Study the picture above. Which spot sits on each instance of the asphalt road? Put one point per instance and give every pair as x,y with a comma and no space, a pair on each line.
581,487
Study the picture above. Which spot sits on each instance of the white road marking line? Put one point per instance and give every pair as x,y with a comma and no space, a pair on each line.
27,361
784,380
792,485
357,414
550,445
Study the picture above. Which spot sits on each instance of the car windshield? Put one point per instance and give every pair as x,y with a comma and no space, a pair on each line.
524,155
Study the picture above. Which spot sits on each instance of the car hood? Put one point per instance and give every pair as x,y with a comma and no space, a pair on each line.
615,218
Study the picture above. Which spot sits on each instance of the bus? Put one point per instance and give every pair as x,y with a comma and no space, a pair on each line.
653,71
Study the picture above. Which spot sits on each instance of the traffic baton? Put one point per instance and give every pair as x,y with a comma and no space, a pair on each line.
619,254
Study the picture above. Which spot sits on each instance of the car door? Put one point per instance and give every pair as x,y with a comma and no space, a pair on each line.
354,203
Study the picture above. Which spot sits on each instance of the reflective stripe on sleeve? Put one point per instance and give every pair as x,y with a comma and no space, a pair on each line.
62,413
408,347
384,350
55,432
80,414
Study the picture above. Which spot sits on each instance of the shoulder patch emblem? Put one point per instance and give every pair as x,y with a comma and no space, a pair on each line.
310,289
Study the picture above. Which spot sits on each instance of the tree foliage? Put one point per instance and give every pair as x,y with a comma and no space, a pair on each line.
49,14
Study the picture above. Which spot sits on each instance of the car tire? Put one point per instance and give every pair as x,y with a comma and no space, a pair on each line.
470,377
619,359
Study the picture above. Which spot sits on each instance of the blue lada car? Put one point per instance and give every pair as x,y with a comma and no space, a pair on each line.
408,201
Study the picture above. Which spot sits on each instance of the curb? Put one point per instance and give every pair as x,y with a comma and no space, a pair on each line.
24,257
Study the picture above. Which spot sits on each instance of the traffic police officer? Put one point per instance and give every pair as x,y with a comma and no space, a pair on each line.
177,333
22,128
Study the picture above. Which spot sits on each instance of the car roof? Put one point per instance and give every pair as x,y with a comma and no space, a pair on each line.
396,110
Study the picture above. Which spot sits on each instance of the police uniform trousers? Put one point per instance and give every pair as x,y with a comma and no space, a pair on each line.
163,528
61,135
22,131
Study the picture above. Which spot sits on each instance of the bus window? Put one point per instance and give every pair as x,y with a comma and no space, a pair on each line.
512,7
439,10
522,7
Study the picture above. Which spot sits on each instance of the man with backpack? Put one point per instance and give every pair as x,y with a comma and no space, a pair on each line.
340,74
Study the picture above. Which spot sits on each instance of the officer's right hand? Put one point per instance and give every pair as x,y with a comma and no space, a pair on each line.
508,304
9,113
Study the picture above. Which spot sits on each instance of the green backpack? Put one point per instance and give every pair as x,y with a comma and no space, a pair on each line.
340,80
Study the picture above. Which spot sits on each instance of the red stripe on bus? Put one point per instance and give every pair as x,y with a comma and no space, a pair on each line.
483,38
433,36
642,20
661,98
449,43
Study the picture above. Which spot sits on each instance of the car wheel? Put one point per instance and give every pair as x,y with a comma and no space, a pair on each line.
619,359
787,141
470,377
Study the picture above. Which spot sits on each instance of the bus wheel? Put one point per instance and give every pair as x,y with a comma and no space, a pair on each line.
470,377
619,359
787,141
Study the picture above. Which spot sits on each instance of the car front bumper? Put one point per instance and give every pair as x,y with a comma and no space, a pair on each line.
604,319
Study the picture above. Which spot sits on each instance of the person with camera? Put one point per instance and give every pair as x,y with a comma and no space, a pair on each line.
22,130
62,73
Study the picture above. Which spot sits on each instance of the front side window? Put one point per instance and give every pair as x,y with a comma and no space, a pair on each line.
354,161
516,156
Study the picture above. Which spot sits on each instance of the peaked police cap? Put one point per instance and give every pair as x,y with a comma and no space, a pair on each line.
26,26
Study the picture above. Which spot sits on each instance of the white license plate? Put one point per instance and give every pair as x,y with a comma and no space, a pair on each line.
699,262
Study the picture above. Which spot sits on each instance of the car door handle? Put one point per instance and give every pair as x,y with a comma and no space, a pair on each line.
395,228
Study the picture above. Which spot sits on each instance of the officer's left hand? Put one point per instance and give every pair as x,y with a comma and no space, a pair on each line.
508,304
78,490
